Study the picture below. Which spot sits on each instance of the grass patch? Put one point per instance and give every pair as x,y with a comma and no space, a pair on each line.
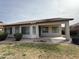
39,51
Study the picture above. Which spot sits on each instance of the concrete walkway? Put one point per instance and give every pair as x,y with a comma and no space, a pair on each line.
49,40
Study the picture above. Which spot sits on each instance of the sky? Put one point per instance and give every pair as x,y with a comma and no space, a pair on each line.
25,10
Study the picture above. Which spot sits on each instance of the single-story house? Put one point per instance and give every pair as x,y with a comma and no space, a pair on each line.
39,28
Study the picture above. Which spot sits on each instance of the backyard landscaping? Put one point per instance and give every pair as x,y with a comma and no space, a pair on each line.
39,51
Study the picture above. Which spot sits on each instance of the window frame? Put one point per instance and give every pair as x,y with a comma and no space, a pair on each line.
34,29
17,29
55,29
45,29
8,30
26,30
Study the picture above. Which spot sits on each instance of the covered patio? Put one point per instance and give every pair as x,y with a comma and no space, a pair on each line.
45,28
54,30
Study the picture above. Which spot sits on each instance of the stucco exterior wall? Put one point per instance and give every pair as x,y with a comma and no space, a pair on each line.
31,35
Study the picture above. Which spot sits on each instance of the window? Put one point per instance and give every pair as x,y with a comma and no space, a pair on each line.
44,29
8,30
16,29
25,30
5,30
34,30
54,29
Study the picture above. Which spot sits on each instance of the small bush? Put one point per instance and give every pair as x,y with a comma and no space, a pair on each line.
3,36
18,36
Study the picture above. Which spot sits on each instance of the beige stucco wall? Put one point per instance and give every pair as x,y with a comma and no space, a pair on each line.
31,35
0,29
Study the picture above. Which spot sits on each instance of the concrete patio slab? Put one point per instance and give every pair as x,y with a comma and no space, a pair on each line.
49,40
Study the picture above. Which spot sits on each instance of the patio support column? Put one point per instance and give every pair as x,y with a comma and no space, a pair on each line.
60,30
32,34
37,31
31,31
67,30
2,29
13,30
19,29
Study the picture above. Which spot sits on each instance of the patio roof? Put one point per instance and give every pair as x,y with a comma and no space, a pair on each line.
40,21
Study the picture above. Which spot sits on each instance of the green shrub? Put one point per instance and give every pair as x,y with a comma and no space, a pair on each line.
3,36
18,36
